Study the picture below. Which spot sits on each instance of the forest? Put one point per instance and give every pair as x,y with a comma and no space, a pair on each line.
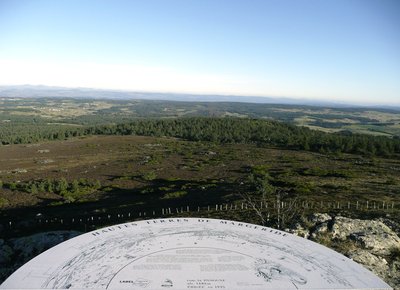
219,130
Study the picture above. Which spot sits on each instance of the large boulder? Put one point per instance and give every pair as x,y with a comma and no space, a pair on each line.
372,235
320,223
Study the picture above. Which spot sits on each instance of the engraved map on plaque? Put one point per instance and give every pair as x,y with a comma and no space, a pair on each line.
191,253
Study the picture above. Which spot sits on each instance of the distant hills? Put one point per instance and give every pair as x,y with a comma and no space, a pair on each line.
37,91
81,106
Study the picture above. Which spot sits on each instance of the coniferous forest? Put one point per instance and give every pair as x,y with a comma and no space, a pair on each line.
219,130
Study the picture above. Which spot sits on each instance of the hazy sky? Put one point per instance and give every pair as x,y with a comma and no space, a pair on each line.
334,50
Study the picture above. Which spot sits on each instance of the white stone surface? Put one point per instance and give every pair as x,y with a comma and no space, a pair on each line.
191,253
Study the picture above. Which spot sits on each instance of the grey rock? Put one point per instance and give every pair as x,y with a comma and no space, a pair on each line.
320,224
377,265
373,235
19,170
321,228
319,218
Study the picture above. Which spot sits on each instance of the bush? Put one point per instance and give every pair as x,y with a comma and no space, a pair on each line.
12,185
150,175
175,194
3,202
305,187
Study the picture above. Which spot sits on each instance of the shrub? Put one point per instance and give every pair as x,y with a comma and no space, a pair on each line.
175,194
3,202
305,187
12,185
150,175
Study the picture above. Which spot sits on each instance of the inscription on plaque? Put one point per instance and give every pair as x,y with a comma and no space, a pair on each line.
191,254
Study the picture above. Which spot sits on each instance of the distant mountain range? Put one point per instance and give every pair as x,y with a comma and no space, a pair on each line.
38,91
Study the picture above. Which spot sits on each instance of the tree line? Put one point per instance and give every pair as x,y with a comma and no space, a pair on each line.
218,130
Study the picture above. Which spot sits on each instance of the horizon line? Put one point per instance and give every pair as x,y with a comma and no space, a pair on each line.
296,100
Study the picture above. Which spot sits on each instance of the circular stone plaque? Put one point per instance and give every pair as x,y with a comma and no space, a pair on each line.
191,253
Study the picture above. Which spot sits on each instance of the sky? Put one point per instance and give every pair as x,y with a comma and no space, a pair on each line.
333,50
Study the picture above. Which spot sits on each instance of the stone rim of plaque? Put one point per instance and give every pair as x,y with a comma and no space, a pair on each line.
191,253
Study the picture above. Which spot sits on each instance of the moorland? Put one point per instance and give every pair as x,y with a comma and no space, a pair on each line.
67,157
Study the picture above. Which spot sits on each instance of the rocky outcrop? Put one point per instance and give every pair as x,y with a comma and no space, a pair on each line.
16,252
373,236
319,218
371,243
